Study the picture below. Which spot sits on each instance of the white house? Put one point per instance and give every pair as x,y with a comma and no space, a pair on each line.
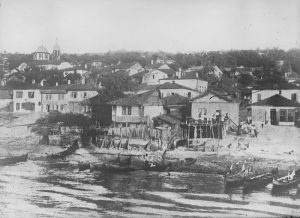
27,99
136,109
275,110
153,77
211,102
67,98
288,91
168,89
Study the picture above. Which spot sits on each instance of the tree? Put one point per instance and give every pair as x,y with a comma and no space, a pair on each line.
245,80
51,122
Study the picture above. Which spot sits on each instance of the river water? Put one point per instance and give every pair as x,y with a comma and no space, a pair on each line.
44,189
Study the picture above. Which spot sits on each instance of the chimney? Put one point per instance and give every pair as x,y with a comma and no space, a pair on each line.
69,82
56,84
33,81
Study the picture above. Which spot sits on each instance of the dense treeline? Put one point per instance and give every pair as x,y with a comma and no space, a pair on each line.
247,58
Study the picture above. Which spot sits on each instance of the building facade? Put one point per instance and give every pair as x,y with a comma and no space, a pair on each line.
27,100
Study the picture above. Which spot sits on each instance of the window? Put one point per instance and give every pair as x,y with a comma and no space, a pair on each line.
62,107
17,106
30,94
189,94
61,96
258,97
279,92
202,111
56,107
114,107
283,115
123,110
84,95
19,94
74,94
172,93
129,110
294,97
290,115
48,97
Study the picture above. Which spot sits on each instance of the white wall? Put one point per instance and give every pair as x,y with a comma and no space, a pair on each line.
211,104
268,93
182,92
37,100
197,84
153,111
153,77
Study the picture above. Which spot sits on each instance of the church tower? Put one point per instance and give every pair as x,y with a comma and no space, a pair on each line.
56,51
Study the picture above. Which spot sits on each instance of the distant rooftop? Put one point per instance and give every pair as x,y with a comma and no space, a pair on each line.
276,101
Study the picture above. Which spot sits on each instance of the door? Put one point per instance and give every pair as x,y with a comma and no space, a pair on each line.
273,117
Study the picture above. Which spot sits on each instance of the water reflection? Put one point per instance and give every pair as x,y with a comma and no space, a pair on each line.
39,188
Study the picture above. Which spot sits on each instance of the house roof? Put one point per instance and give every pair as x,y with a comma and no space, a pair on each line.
154,66
139,74
173,86
275,86
175,100
133,100
223,96
276,101
169,72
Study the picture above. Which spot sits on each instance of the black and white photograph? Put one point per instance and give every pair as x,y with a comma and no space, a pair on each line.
149,108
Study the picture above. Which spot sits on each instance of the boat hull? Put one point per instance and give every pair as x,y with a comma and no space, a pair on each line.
282,184
13,160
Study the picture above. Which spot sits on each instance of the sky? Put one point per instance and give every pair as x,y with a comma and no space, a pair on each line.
83,26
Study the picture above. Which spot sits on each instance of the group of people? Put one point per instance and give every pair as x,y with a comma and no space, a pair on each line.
216,117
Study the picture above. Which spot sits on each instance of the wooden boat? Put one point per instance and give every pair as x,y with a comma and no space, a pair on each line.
284,182
13,160
111,168
70,150
257,181
234,180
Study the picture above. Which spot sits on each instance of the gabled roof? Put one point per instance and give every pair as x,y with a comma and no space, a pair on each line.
276,101
175,100
275,86
133,100
139,74
173,86
222,96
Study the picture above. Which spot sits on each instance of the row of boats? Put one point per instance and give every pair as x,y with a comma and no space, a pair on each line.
250,181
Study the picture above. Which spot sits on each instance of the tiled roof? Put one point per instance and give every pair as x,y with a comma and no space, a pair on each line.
275,86
133,100
173,86
139,74
276,101
223,96
175,100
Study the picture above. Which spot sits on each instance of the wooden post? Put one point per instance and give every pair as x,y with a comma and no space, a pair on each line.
188,136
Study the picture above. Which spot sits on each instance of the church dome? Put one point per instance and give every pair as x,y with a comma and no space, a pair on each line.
42,49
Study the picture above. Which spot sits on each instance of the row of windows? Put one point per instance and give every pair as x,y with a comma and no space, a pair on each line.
189,94
19,94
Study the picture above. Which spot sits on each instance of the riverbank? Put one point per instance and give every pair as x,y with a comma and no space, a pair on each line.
275,146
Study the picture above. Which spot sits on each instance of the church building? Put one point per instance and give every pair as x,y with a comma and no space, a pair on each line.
42,54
